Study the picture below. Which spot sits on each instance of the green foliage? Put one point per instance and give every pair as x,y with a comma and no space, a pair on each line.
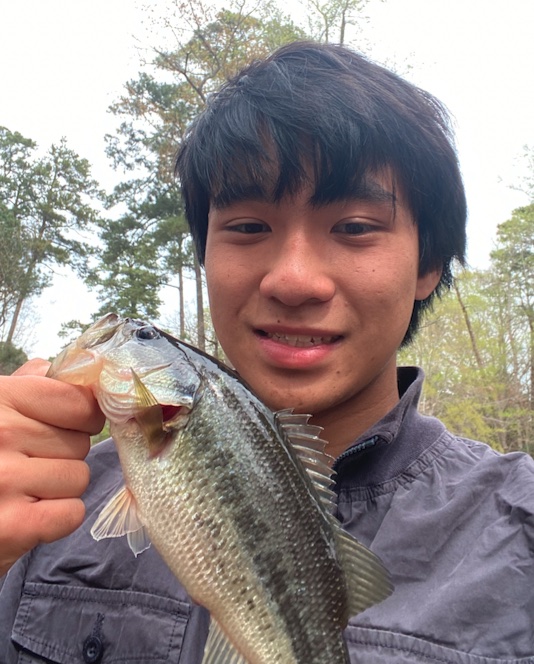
477,348
513,258
11,358
46,203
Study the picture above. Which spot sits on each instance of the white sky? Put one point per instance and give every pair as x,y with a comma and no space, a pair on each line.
63,62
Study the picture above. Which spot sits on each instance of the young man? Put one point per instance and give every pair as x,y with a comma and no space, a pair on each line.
325,199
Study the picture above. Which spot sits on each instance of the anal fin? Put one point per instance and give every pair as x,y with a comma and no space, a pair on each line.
218,648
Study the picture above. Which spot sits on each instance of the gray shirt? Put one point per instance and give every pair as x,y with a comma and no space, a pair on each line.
451,519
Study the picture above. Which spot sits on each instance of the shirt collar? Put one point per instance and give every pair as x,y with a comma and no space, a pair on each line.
373,458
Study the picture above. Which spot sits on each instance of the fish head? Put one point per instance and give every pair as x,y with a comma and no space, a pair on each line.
78,363
136,373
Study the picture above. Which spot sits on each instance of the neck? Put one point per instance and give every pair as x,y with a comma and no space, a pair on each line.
342,425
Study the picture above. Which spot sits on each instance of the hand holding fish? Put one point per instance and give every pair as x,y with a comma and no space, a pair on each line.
45,427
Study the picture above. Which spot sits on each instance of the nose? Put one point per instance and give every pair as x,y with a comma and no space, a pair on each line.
298,271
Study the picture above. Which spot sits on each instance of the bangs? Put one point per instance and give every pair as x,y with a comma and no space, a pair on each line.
252,155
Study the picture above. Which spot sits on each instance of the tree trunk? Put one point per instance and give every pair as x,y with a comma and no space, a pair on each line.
15,320
181,302
474,346
531,395
342,27
201,331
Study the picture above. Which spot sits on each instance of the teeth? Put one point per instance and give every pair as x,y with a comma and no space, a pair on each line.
300,341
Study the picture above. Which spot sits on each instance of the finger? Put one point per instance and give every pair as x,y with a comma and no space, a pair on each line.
62,516
33,523
35,439
35,367
35,479
52,402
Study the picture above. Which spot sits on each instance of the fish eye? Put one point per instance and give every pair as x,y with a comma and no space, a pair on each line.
146,333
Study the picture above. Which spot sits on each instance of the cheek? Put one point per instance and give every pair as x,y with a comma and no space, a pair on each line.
218,272
226,292
216,282
385,293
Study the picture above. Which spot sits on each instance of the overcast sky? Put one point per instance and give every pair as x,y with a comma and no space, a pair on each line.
63,62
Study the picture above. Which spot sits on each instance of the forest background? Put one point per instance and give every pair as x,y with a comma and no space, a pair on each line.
128,243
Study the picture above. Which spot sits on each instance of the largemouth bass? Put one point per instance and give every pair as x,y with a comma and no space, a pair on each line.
235,498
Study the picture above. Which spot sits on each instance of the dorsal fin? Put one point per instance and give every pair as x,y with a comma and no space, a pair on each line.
368,581
310,448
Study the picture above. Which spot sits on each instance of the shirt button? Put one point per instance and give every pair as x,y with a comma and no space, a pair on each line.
93,649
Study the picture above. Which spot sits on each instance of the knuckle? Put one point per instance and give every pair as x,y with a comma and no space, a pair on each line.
18,528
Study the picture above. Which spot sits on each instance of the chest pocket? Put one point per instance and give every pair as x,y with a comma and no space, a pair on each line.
374,646
71,625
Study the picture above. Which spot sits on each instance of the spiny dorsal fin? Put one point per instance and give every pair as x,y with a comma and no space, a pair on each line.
310,448
120,517
218,649
368,581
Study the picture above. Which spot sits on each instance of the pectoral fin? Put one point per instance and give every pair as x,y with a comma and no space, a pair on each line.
120,517
218,648
149,418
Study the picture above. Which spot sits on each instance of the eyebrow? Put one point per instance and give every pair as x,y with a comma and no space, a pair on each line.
245,193
365,189
372,191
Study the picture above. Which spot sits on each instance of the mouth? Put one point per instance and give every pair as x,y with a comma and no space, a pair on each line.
300,340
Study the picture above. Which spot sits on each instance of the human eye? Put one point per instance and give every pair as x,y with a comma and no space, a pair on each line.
248,227
353,227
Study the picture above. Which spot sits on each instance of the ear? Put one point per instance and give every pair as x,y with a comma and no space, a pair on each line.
426,283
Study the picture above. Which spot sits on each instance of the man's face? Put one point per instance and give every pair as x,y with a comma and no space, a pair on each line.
311,303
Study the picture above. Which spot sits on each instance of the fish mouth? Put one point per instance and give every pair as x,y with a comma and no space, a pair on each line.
300,340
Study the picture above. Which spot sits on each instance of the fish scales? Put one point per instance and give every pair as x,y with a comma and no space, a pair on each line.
251,484
226,501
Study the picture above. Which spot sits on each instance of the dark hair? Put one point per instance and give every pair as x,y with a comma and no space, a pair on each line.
324,109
